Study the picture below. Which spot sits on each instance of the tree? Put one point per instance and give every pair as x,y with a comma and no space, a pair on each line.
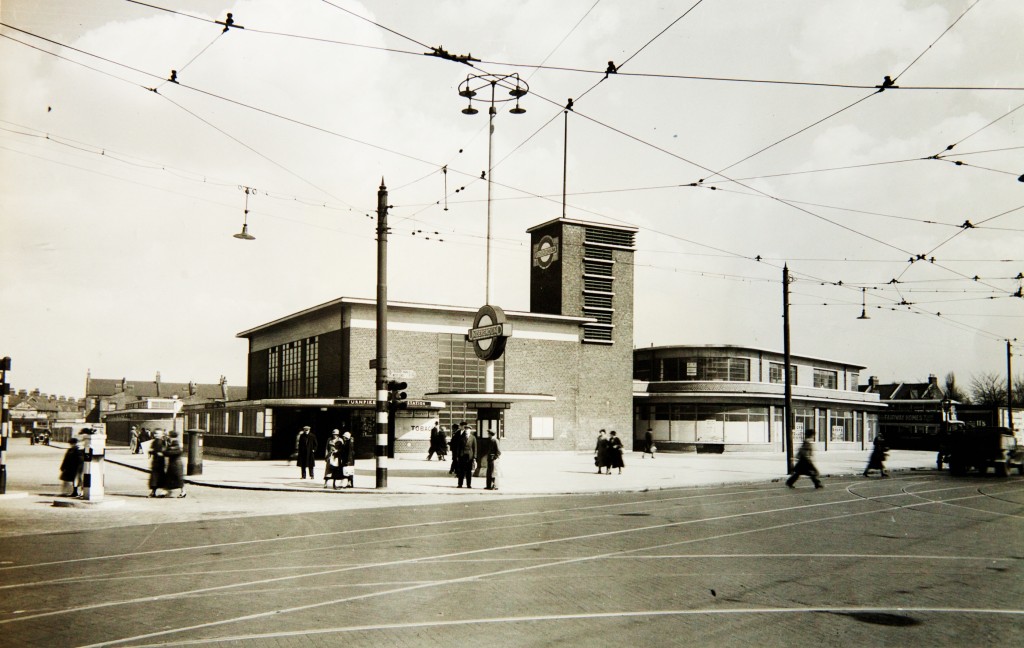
1018,391
988,389
953,391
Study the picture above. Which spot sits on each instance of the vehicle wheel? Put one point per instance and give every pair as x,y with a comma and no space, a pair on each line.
1002,470
957,467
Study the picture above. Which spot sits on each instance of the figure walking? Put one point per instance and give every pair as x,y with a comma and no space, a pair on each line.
877,459
648,444
71,468
133,440
601,452
615,459
173,478
305,449
805,462
157,463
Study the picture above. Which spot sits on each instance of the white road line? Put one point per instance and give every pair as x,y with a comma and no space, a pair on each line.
259,615
625,614
307,536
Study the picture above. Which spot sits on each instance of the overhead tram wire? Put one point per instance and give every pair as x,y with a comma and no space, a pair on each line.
542,66
695,77
309,125
611,69
250,148
377,24
886,84
944,32
143,163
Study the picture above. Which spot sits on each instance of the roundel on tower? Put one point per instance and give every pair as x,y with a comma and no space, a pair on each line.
545,252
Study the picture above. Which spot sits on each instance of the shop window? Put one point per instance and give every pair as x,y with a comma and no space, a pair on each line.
841,425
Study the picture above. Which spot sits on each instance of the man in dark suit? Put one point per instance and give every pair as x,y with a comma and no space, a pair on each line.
466,456
456,446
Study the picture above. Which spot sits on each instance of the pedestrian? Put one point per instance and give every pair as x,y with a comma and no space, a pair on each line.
467,455
157,462
332,459
805,462
601,452
648,444
71,468
442,444
348,458
877,459
145,436
133,440
456,446
492,452
433,447
615,453
305,452
173,477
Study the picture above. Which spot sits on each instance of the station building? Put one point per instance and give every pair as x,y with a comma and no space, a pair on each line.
565,372
726,398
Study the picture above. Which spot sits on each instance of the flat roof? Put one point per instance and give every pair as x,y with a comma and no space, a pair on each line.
583,223
709,347
341,301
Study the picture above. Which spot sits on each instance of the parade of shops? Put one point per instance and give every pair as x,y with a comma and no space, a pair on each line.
726,398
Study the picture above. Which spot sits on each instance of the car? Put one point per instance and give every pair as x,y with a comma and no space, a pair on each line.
981,448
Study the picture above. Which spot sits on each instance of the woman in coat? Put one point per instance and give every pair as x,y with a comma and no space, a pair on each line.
157,463
601,453
348,458
173,477
615,453
332,459
71,467
877,459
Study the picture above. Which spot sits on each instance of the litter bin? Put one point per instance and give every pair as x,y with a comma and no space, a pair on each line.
195,452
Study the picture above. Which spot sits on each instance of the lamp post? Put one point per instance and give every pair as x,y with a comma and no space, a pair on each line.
473,85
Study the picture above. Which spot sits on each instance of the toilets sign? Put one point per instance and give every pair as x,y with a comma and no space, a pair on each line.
489,333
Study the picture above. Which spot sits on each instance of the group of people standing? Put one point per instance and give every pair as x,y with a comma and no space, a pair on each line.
165,470
472,455
137,438
339,456
608,453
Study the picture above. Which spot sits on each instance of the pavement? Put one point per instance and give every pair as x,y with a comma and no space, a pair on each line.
531,473
233,488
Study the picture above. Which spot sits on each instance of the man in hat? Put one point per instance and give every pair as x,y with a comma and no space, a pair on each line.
493,452
467,453
305,449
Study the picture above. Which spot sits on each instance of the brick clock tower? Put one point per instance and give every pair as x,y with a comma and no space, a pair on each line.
584,269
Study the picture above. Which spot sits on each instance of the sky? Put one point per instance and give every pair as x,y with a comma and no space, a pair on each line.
738,136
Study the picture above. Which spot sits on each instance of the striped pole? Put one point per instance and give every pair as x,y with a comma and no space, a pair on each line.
382,336
92,476
5,420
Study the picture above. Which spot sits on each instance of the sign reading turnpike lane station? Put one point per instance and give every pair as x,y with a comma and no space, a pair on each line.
489,333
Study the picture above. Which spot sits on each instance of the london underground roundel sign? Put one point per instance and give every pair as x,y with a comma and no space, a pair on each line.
489,333
545,252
